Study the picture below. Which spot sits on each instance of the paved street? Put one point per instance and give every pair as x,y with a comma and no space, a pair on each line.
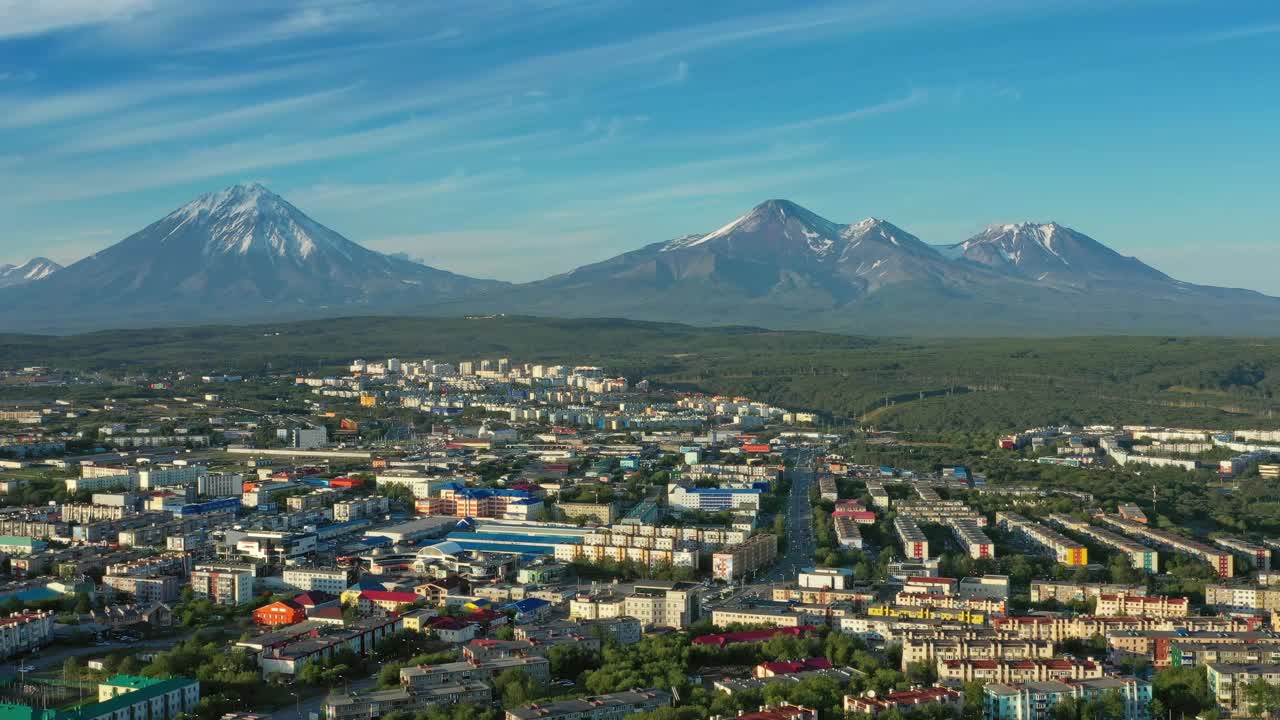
799,514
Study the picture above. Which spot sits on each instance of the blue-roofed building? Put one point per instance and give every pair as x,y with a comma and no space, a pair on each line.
529,609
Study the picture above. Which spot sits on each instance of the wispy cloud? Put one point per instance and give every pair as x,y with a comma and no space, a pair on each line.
20,18
1237,33
18,112
203,125
349,196
311,19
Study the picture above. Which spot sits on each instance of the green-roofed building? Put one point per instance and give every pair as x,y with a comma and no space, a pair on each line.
124,697
18,545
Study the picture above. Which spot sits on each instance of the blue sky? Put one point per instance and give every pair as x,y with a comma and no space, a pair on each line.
517,139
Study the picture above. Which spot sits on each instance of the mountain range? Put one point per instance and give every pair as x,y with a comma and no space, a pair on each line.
36,268
244,253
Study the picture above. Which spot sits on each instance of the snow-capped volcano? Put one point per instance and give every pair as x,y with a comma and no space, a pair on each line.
252,220
242,252
36,268
1050,252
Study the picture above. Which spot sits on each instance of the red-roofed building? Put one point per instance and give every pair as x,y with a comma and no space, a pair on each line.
386,601
284,612
790,667
346,483
901,701
1158,606
453,630
315,599
722,639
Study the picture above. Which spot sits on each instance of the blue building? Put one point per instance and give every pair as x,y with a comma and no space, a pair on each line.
1037,700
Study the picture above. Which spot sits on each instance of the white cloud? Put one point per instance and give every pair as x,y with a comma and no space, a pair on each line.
186,127
20,18
310,19
26,112
351,196
1238,33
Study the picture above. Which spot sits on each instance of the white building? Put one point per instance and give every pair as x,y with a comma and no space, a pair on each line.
220,484
309,579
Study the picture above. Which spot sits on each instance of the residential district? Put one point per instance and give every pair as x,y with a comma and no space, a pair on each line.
419,539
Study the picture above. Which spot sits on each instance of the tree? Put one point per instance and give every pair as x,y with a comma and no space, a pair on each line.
515,687
1180,691
1263,698
568,662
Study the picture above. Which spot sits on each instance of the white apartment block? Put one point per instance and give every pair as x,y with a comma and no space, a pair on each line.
307,579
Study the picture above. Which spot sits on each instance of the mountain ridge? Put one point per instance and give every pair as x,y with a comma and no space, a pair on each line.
241,252
37,268
245,252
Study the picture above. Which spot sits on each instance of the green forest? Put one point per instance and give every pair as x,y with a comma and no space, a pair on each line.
979,386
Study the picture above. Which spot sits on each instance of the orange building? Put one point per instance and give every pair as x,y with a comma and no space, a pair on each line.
284,612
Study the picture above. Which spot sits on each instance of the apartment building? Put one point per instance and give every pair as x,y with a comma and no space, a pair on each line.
961,616
1038,700
958,672
1068,592
1222,561
311,579
1062,549
914,543
762,615
144,590
848,534
24,631
879,496
756,553
983,605
418,677
370,507
930,649
80,513
654,603
1257,555
288,650
827,488
970,536
220,485
613,706
712,499
1082,627
1140,556
167,564
625,630
603,513
223,584
650,556
1157,646
705,537
379,703
1125,605
1227,685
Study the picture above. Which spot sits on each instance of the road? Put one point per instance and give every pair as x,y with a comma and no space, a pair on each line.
51,658
799,514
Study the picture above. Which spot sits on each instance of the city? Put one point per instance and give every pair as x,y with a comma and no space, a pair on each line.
459,538
619,360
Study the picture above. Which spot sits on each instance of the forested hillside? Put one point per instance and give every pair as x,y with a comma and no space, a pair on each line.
938,386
